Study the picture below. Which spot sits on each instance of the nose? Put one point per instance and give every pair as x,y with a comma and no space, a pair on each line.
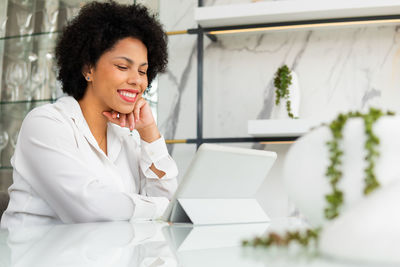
134,78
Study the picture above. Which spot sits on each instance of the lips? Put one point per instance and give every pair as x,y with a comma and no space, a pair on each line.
128,95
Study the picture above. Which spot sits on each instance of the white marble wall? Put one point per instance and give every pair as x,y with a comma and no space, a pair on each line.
339,69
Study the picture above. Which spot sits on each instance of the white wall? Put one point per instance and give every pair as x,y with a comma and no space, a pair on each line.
339,69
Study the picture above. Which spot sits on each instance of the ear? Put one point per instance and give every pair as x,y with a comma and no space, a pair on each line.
87,72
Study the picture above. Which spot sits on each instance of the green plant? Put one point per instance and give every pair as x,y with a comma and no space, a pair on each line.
302,237
282,81
334,174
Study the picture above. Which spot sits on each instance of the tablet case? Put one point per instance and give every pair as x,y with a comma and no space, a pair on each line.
211,245
217,211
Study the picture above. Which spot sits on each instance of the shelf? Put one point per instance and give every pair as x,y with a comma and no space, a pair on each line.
269,139
280,128
28,35
27,101
28,68
284,11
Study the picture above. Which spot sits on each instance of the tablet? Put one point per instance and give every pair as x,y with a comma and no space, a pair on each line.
223,172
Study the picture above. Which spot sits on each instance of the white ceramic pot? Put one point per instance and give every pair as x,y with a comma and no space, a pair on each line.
368,231
307,161
280,111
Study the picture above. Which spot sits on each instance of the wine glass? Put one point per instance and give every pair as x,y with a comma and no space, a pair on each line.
52,70
14,138
3,23
23,2
50,15
3,141
11,82
71,12
37,81
24,18
16,76
32,57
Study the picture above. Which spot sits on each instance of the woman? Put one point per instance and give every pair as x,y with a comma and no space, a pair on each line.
75,160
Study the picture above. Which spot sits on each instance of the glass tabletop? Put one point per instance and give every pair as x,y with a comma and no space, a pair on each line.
152,244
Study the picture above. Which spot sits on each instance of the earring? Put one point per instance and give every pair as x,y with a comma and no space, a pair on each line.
88,78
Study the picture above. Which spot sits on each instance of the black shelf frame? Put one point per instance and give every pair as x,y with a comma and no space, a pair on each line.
206,31
200,31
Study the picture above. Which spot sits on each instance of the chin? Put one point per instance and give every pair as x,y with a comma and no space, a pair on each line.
126,110
123,109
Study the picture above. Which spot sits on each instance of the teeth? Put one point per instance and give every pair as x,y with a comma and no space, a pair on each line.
124,93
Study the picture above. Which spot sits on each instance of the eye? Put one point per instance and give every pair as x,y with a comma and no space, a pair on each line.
143,72
121,67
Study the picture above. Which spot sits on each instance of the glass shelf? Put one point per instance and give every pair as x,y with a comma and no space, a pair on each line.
27,101
14,111
6,167
28,69
29,35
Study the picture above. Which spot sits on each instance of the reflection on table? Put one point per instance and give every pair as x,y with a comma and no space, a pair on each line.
97,244
153,244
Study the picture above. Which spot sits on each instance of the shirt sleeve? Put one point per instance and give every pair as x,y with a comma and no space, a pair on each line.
156,153
47,156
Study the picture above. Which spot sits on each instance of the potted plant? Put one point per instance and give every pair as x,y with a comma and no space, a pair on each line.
287,89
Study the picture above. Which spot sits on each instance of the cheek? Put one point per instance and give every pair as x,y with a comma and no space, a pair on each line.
145,82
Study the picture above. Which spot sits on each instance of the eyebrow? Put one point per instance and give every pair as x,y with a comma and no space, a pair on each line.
130,61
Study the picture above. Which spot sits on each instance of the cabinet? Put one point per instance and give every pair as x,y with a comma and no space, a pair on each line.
28,73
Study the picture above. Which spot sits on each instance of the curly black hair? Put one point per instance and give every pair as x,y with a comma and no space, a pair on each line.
95,30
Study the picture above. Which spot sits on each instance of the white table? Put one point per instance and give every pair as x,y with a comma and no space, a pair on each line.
150,244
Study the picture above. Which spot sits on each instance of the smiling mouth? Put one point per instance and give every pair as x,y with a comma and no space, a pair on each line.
128,96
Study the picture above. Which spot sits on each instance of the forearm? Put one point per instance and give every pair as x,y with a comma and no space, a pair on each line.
150,134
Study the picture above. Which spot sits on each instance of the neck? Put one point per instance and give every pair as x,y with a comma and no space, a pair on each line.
93,112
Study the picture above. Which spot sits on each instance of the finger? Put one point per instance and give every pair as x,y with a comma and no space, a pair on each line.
139,104
109,116
122,119
131,121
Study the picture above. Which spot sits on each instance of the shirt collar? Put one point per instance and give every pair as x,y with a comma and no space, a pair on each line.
73,110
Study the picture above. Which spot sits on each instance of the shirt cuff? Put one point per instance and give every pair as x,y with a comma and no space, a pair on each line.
156,153
148,208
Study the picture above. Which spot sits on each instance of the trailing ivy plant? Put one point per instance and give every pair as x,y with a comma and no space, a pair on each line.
282,81
303,238
334,173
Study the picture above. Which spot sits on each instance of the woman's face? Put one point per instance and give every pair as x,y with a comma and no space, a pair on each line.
120,76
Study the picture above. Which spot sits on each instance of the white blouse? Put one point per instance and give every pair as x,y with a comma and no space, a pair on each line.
62,176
